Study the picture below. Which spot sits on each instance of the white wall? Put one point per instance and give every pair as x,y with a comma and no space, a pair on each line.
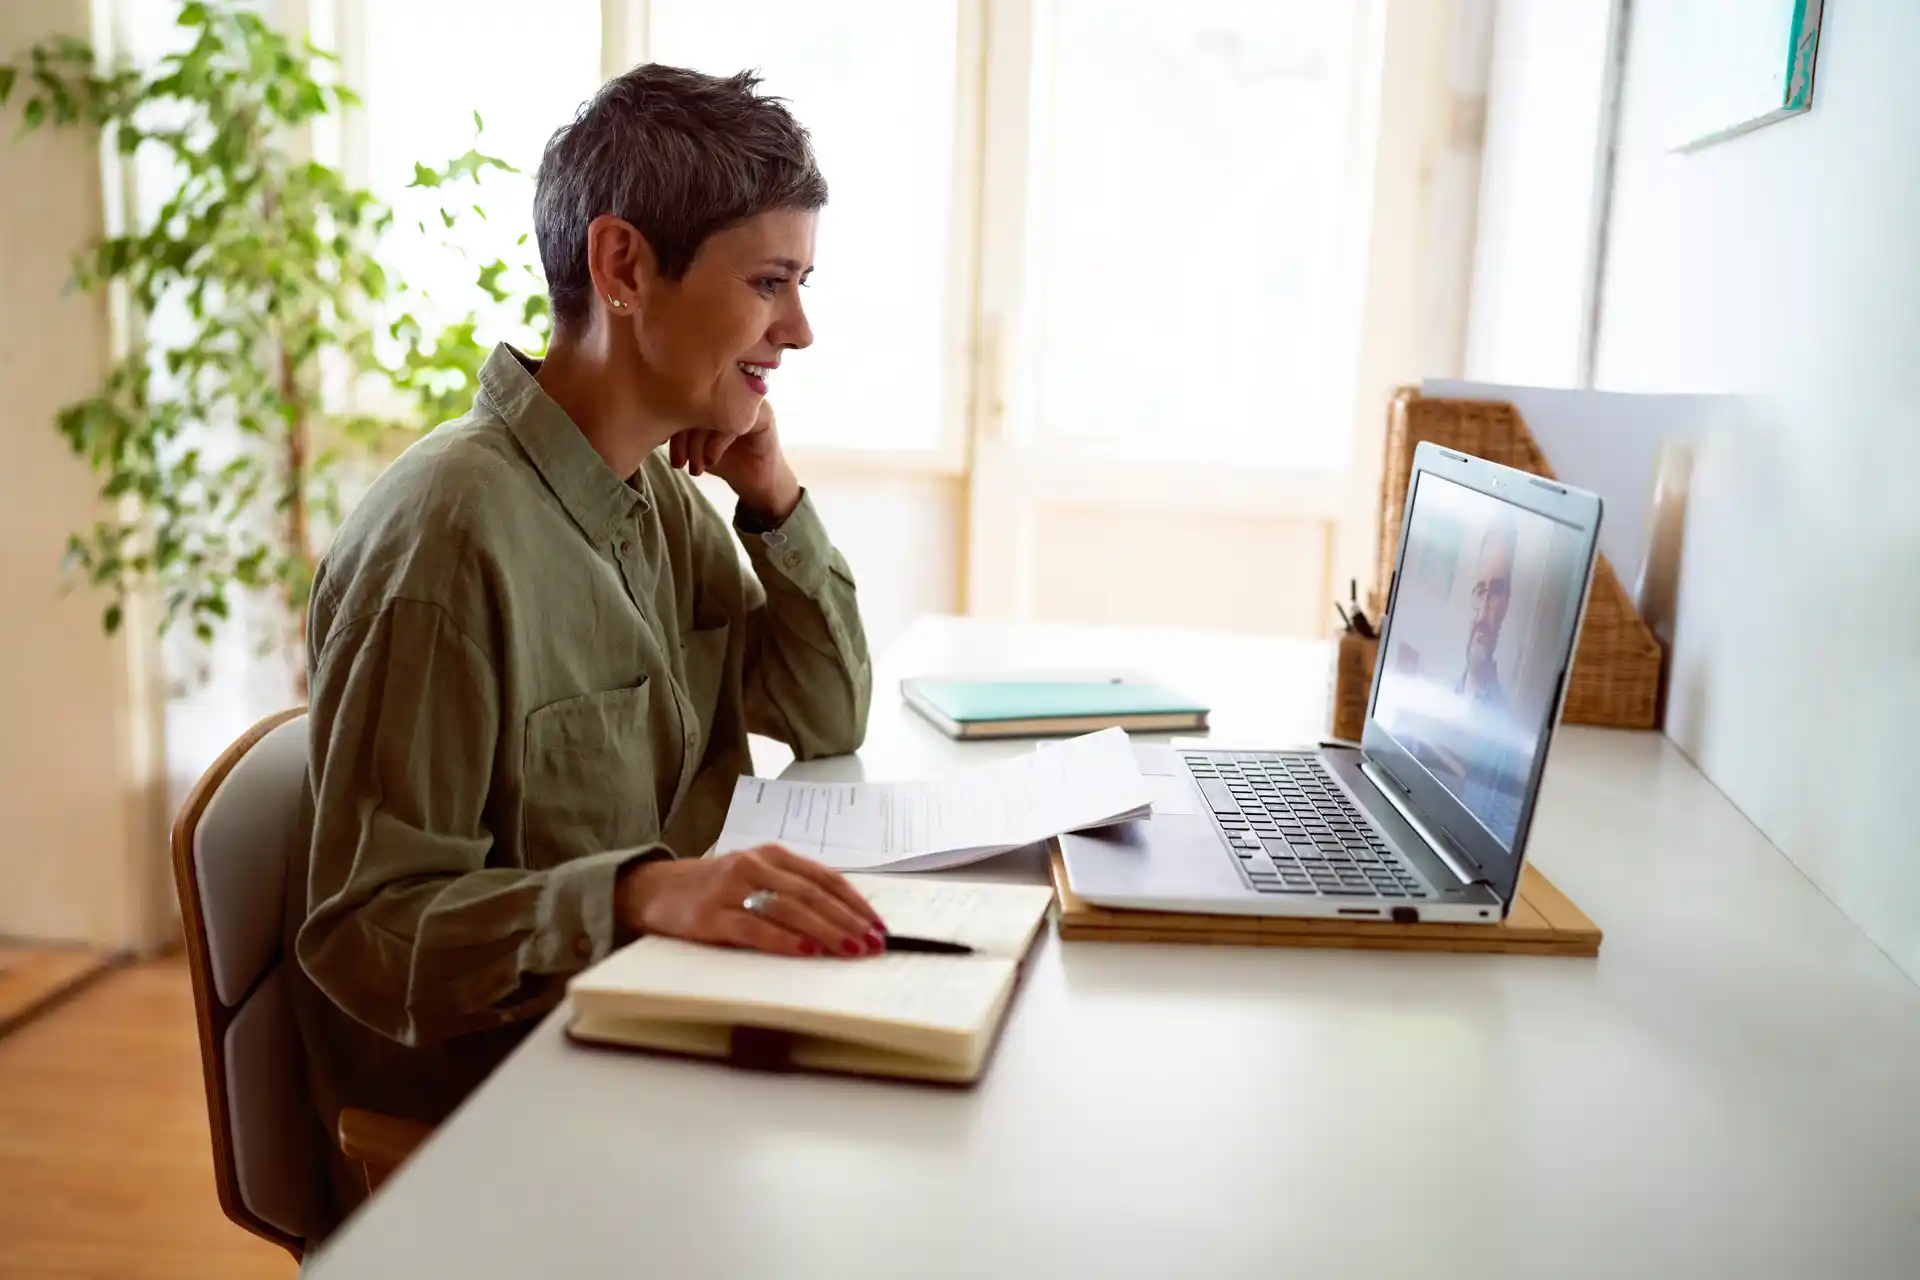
82,852
1785,266
1545,102
902,538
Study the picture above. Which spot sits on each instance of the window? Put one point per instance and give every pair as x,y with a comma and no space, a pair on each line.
1087,266
874,81
1186,197
425,69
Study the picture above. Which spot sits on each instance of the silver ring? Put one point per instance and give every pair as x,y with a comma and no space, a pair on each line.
758,901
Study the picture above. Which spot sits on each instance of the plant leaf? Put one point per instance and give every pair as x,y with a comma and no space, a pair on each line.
275,266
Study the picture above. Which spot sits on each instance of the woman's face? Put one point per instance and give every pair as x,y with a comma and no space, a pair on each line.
711,340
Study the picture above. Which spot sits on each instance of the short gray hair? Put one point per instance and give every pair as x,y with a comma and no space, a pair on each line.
678,154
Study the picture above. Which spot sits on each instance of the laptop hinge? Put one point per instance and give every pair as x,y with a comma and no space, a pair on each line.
1438,844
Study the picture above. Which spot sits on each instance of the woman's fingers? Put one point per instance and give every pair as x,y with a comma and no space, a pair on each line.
744,929
717,446
805,908
698,450
810,910
826,878
789,912
708,450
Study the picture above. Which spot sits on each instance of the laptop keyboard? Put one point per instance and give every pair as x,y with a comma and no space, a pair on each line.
1294,831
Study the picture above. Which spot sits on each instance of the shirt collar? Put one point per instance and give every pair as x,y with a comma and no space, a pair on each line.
598,500
1489,692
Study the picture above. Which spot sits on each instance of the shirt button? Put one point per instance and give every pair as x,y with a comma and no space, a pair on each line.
626,548
583,947
792,560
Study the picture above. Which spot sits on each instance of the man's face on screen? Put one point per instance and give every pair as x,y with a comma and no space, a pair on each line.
1492,592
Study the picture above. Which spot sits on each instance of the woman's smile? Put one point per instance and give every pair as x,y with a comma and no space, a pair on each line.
756,374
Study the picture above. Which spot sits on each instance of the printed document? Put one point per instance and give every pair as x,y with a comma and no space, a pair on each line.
1085,782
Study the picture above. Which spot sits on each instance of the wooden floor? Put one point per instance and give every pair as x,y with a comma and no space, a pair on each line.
104,1164
32,975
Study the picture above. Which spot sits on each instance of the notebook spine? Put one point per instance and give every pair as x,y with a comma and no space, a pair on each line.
760,1049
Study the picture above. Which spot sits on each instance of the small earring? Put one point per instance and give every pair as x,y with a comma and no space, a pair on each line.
616,303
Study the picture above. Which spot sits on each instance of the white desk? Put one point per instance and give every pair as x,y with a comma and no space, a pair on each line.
1732,1088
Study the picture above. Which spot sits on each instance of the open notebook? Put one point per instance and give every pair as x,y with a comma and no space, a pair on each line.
924,1017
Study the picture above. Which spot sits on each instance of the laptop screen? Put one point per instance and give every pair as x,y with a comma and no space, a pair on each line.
1476,644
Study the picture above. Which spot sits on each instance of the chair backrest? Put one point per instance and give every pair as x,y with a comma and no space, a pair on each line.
231,846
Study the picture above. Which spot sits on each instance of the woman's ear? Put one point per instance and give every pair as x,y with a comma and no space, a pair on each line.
621,263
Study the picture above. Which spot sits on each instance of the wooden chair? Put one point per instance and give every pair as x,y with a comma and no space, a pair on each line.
231,848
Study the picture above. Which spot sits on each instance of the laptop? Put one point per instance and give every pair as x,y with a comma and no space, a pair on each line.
1427,817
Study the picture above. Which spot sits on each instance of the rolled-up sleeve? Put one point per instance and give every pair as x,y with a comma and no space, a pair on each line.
808,680
408,929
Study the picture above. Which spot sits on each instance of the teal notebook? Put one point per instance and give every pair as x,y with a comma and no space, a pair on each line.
1040,708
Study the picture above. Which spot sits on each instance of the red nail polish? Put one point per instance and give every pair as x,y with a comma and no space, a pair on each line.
809,948
876,941
851,947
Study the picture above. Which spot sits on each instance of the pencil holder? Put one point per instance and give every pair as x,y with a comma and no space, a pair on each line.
1352,683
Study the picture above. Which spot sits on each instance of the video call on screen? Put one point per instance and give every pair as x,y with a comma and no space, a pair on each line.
1474,644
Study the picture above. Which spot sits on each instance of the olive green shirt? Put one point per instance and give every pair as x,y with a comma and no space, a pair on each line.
525,673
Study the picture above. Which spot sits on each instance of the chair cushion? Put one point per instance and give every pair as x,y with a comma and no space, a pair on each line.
276,1140
240,854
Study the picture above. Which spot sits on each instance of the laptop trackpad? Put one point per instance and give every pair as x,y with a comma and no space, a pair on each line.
1176,855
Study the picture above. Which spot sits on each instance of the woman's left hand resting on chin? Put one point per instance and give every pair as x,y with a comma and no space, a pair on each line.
812,909
752,464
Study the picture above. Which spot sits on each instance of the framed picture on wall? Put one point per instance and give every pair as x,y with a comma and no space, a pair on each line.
1734,65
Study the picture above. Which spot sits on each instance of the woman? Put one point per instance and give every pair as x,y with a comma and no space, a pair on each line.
536,656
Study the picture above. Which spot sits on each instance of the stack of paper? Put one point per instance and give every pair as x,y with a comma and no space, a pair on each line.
1085,782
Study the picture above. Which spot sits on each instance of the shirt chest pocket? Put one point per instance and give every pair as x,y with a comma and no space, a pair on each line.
705,655
590,777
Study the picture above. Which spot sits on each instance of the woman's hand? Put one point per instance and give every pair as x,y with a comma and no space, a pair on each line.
752,464
813,911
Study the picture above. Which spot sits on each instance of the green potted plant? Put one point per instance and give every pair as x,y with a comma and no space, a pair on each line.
256,289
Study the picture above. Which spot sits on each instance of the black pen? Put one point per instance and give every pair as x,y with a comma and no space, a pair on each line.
1359,621
926,946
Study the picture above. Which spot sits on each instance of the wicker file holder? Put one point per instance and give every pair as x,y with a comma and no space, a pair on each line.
1352,683
1616,668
